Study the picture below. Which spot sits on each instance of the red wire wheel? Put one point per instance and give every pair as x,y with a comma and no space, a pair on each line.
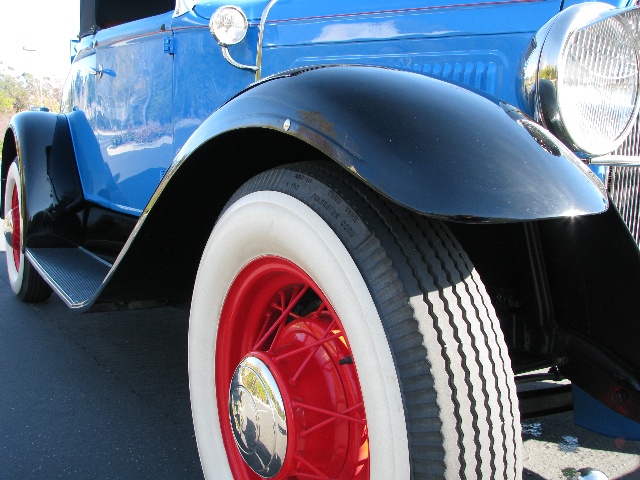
282,353
25,281
15,219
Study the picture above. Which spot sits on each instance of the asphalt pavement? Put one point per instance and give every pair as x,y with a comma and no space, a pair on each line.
93,396
106,396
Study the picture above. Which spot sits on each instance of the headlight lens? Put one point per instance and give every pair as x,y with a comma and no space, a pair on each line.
228,25
588,76
598,85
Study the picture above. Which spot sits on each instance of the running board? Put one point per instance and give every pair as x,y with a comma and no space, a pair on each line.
75,274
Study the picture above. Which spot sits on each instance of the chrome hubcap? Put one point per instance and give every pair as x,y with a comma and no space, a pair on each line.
8,229
258,418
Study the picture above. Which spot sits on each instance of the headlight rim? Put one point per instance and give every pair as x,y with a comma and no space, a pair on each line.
219,32
541,70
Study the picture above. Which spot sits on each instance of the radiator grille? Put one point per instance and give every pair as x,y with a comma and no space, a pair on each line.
631,146
623,184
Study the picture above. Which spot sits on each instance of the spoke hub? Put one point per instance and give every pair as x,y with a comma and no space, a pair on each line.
258,418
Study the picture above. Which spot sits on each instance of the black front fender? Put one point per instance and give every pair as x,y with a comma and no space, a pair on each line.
430,146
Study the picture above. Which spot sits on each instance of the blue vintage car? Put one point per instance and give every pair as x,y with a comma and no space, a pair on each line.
383,216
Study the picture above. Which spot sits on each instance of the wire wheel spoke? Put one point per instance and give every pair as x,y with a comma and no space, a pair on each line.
313,347
281,319
333,416
317,474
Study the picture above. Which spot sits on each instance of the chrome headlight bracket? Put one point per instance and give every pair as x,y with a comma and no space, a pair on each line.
229,26
581,76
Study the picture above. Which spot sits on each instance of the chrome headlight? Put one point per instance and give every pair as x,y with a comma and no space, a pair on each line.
582,76
229,25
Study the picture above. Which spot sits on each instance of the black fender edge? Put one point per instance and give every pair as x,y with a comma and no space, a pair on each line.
431,146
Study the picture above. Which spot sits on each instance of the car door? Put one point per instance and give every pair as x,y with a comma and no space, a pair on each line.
132,118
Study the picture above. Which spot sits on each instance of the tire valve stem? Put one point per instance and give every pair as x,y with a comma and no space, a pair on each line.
346,360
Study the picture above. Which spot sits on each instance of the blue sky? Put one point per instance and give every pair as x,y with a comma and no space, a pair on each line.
43,26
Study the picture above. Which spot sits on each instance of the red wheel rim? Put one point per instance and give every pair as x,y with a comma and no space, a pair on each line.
15,219
276,313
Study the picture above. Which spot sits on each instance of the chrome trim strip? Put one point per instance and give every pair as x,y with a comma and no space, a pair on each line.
263,21
615,160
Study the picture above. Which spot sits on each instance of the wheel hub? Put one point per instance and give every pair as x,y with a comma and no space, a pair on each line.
7,229
258,418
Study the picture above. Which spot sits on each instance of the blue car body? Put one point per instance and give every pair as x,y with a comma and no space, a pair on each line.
155,74
425,102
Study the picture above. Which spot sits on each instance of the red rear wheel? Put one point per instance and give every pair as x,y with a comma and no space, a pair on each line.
25,281
277,326
15,219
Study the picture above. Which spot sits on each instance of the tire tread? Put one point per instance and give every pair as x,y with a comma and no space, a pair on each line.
34,289
437,316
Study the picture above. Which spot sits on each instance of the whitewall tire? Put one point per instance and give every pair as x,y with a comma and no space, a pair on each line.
25,281
310,275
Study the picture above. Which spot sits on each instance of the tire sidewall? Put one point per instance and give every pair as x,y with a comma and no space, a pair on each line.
16,277
273,223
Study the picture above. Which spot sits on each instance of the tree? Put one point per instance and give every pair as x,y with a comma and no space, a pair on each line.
21,92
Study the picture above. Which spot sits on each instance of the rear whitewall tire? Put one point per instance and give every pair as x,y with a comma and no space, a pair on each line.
25,281
15,274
